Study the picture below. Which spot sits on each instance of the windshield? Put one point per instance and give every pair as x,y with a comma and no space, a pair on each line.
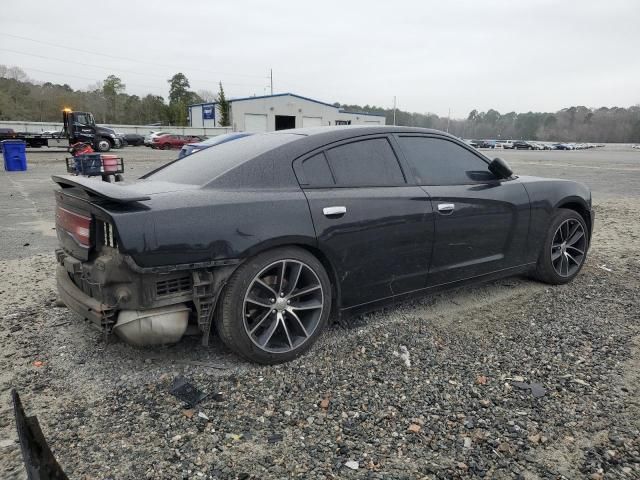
206,165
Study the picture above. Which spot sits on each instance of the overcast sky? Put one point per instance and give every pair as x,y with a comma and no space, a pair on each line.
539,55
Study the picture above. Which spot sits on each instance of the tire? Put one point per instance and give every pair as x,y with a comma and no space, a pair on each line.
287,323
165,146
560,261
103,145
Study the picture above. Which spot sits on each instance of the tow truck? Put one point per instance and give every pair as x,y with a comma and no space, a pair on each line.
77,127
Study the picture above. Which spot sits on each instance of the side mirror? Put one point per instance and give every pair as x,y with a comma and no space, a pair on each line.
500,168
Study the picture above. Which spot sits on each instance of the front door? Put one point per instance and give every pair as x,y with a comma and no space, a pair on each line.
376,229
481,222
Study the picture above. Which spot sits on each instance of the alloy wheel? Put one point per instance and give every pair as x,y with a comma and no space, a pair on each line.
568,247
283,306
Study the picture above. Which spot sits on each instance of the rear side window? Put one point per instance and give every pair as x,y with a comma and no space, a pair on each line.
213,162
441,162
365,163
315,171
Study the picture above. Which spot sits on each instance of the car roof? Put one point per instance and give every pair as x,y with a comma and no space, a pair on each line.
345,131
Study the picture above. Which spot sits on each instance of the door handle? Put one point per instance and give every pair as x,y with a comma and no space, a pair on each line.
334,211
446,208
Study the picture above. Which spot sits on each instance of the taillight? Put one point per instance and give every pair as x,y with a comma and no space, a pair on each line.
78,226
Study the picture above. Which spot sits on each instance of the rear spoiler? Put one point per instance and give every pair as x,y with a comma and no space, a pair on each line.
110,191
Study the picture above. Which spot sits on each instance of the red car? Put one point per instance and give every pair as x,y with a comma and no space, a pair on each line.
166,142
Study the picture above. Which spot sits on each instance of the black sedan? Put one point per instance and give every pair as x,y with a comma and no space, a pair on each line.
133,139
521,145
270,236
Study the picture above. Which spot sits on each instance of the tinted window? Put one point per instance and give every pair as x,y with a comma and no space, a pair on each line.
315,171
367,162
211,163
441,162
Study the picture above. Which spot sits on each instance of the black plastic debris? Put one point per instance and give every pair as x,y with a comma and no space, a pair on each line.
275,438
186,392
537,390
38,459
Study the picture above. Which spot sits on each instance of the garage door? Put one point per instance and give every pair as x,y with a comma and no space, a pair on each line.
255,123
311,122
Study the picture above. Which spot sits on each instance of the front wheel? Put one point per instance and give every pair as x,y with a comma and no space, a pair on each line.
565,248
275,306
103,145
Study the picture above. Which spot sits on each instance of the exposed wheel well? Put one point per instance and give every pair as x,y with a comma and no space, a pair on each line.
581,209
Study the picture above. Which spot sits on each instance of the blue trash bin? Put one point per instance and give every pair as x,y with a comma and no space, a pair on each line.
14,154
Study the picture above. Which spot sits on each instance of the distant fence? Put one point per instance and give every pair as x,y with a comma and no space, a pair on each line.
39,127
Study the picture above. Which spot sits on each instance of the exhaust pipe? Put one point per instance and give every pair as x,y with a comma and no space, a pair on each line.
156,326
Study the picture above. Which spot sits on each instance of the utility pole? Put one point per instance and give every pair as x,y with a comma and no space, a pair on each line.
448,120
271,78
394,109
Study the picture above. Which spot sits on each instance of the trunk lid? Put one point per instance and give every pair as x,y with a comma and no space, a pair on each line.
84,208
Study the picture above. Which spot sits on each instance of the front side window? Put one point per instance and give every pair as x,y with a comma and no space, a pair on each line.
365,163
441,162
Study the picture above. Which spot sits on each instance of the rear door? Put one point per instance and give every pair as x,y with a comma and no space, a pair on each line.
481,223
376,228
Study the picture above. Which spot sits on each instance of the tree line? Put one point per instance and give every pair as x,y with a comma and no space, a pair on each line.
24,99
573,124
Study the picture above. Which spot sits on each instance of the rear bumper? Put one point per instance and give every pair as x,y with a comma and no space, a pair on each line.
82,304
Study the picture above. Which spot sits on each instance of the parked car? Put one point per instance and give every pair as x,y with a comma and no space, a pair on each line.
133,139
522,145
272,235
190,148
487,144
507,144
171,141
7,133
148,139
563,146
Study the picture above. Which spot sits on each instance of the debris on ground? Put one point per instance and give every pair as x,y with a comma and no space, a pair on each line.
186,392
352,464
404,355
537,390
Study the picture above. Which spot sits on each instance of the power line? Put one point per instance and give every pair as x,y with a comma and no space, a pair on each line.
136,60
75,76
109,69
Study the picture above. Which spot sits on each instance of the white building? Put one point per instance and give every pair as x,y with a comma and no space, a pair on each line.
278,112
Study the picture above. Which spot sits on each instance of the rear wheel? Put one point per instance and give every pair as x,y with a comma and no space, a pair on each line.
275,306
565,248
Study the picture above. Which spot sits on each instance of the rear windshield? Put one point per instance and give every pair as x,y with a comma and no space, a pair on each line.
202,167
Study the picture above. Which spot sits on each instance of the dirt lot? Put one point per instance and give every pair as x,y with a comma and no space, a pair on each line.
420,390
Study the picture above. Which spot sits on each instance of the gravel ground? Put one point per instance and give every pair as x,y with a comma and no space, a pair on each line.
434,388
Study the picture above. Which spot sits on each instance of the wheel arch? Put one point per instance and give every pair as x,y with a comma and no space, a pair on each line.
578,205
308,244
